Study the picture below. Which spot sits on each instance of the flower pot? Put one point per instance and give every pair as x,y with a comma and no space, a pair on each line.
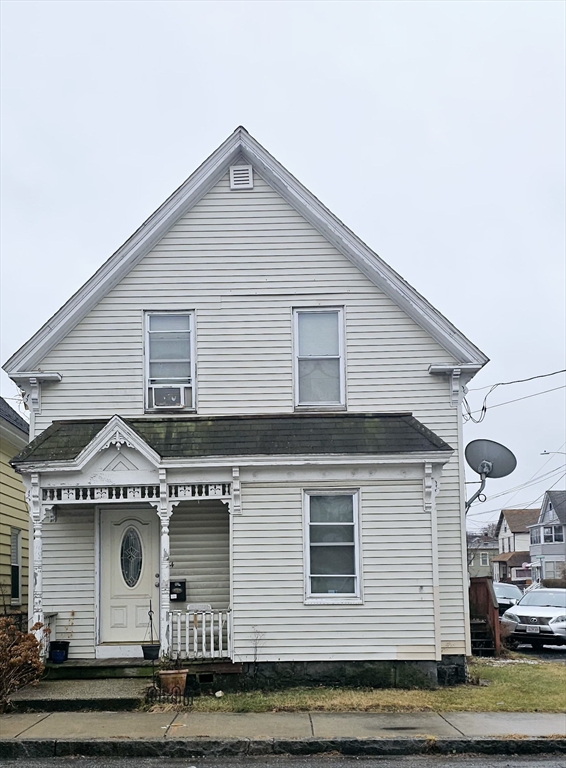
151,651
173,680
59,651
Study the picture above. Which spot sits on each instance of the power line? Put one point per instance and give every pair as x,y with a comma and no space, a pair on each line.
534,479
538,472
468,415
526,484
523,505
517,381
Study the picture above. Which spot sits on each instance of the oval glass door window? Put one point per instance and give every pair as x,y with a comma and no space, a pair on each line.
131,557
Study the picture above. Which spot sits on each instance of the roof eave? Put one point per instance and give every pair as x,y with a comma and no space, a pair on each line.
416,457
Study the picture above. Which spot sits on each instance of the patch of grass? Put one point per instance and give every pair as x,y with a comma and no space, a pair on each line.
527,687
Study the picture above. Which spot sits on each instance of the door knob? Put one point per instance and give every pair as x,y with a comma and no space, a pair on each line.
156,583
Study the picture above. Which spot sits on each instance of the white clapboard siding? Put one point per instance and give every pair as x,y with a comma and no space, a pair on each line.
242,260
200,551
271,621
68,578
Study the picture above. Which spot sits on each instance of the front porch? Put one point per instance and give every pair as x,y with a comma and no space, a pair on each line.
103,553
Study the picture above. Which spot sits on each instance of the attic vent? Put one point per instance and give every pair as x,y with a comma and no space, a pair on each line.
241,177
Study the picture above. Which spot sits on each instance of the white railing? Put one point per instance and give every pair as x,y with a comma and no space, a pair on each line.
200,634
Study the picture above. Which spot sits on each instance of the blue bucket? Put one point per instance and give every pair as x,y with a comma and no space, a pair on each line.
58,657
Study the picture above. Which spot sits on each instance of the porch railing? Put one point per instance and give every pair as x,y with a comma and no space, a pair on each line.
200,634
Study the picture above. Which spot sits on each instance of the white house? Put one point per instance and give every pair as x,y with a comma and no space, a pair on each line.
513,561
548,538
247,401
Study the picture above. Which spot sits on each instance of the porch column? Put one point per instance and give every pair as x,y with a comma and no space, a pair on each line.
36,514
164,511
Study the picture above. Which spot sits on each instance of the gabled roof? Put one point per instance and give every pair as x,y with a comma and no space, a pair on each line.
286,435
7,413
241,145
558,501
518,520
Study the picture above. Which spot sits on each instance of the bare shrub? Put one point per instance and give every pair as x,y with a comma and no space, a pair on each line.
20,662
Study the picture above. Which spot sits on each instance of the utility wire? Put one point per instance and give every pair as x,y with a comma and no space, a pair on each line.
533,480
526,484
517,489
517,381
524,505
537,474
468,415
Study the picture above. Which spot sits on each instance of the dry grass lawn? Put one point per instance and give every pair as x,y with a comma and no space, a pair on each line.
510,685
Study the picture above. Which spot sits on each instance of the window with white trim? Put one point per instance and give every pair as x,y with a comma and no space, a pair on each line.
319,358
553,533
535,535
169,361
332,555
16,565
484,558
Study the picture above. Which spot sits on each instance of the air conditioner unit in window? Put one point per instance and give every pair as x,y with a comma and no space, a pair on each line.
167,396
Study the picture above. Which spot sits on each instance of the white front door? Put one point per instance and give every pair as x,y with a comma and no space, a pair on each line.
129,574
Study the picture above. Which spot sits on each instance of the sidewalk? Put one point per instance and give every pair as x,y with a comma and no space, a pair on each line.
187,734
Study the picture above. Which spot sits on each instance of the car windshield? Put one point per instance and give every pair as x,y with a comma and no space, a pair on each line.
545,597
507,590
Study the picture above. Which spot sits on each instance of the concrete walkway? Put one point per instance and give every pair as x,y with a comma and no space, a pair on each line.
192,734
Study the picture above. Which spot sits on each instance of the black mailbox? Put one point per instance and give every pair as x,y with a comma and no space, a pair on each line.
178,590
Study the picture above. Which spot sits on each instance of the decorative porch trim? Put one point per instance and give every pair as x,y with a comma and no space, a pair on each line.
164,510
37,512
236,500
115,432
86,494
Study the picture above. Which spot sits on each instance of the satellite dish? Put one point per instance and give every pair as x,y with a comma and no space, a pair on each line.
489,458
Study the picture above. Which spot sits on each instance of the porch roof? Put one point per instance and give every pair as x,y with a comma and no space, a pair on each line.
277,435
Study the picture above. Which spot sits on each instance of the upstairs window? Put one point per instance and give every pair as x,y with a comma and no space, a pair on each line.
169,361
319,358
553,533
535,535
484,558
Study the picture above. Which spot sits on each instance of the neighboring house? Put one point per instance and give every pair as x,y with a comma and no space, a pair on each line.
481,551
548,538
246,414
512,563
14,517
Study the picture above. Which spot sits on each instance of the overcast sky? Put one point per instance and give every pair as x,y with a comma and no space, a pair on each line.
434,130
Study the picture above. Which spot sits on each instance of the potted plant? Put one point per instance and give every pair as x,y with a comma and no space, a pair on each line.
172,677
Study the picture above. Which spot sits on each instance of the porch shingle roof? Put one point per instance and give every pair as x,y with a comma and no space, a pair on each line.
278,435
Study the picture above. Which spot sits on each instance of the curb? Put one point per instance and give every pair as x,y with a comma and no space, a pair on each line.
182,748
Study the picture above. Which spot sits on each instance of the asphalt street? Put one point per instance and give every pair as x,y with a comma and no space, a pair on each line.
328,761
547,653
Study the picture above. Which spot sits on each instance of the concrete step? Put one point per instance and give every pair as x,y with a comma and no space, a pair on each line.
76,695
88,669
